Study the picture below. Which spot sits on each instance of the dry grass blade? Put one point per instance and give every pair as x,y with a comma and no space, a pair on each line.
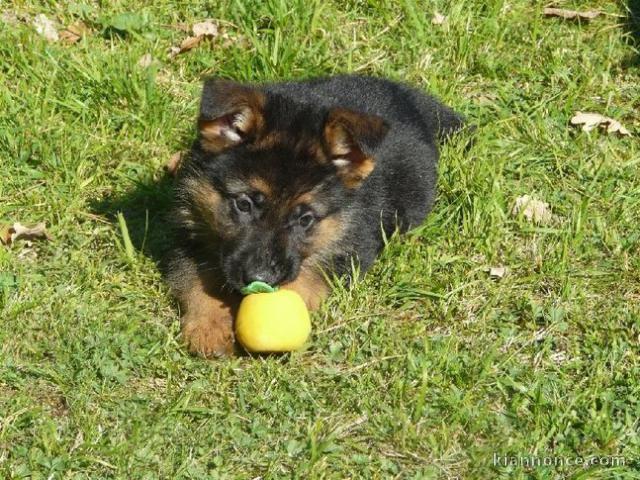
570,14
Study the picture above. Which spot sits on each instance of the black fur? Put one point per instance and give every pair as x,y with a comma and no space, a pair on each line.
269,243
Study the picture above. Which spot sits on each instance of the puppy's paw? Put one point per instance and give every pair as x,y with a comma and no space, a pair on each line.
207,338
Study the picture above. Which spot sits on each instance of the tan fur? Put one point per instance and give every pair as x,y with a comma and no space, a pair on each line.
306,198
338,139
210,208
246,115
212,138
261,185
207,320
340,133
310,285
328,231
269,140
352,177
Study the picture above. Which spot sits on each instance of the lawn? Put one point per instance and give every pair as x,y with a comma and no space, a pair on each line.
429,367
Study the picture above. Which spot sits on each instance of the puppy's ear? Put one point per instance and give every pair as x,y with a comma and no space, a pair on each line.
350,138
230,114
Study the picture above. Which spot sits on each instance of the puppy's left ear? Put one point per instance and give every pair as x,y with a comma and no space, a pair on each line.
230,114
350,139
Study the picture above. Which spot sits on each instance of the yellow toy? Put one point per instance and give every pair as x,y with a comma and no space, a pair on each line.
271,319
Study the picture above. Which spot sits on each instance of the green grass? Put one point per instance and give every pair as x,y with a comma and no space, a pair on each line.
425,368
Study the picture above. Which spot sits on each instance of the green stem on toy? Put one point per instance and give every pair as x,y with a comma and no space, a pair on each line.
258,287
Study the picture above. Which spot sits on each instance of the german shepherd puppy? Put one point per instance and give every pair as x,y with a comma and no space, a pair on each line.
288,182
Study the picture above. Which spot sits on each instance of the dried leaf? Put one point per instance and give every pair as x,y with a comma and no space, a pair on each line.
46,28
9,18
67,36
174,163
145,61
571,14
205,29
589,121
74,32
438,19
186,45
497,272
173,51
533,210
189,43
17,231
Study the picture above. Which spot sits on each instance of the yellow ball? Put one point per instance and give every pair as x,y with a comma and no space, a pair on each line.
273,322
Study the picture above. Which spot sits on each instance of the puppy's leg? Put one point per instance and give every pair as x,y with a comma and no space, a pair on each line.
207,311
207,322
311,286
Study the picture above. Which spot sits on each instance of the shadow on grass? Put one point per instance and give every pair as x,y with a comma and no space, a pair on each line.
633,20
632,27
146,210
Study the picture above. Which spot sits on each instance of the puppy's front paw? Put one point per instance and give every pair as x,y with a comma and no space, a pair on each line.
207,338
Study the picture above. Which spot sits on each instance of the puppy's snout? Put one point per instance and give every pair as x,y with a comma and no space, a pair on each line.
271,275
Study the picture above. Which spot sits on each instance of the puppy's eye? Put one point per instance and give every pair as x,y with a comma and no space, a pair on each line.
243,204
306,220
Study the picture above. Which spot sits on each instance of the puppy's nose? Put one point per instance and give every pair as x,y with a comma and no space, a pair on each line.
272,277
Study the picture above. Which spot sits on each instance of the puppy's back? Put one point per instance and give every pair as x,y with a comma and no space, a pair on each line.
398,104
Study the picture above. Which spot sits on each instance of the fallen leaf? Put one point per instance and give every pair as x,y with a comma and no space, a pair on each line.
173,51
571,14
533,210
497,272
46,28
558,357
201,31
17,231
189,43
186,45
589,121
74,32
9,18
438,19
205,29
174,163
145,61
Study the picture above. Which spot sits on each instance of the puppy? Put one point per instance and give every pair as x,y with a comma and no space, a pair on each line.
289,182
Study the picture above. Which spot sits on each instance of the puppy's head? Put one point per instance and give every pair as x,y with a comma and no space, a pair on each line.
270,183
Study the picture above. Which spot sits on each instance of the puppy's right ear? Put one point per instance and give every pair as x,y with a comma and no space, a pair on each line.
230,114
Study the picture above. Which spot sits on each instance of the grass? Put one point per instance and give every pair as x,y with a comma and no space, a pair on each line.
424,369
